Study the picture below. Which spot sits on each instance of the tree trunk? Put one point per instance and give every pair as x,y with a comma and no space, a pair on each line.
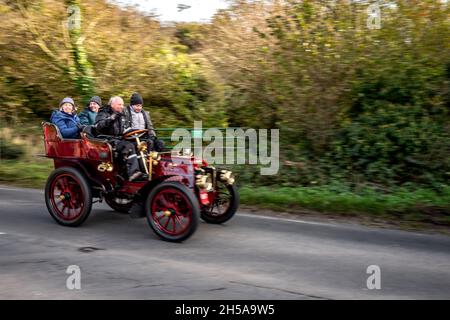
81,69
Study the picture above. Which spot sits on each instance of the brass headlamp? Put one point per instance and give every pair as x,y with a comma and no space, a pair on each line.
226,176
105,166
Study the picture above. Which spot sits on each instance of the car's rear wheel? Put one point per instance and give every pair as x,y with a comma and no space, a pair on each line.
68,197
224,204
172,211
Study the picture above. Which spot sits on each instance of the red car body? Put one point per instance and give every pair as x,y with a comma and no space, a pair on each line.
93,161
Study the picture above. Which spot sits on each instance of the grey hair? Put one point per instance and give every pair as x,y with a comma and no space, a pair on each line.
114,98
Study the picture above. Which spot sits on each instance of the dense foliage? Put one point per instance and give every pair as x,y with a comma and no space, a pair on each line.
353,104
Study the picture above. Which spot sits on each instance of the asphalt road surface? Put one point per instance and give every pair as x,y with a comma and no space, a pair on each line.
250,257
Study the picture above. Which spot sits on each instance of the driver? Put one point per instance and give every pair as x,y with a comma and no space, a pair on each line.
111,121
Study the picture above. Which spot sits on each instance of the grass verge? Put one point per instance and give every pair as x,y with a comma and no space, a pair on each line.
32,174
420,205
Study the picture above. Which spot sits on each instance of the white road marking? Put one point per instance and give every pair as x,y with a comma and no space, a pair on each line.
7,188
1,233
16,202
286,220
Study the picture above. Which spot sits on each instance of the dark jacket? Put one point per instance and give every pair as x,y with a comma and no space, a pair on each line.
107,126
87,117
67,124
147,119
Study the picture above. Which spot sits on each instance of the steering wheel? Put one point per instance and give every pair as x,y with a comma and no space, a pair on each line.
133,134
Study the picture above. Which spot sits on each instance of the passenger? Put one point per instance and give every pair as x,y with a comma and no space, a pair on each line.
140,119
87,117
67,120
111,121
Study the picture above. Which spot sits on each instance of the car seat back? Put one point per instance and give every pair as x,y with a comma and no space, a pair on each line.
57,147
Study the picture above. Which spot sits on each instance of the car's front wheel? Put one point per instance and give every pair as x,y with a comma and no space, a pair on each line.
224,202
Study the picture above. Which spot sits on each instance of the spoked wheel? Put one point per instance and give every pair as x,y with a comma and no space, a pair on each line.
68,197
118,204
224,203
172,211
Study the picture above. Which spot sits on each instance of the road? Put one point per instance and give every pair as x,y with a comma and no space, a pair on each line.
250,257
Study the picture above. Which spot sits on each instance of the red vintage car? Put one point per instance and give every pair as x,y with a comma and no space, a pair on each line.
177,192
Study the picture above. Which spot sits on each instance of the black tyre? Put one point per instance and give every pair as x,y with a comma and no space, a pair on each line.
172,211
68,197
